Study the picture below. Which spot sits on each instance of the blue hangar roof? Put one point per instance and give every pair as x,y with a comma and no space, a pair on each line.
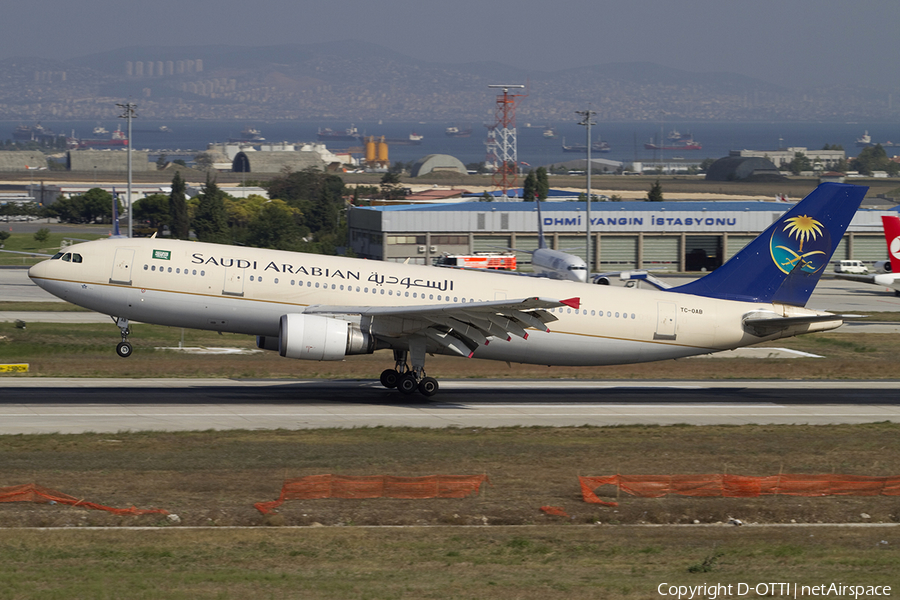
581,206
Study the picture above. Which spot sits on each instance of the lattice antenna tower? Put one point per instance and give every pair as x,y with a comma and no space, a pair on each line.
502,140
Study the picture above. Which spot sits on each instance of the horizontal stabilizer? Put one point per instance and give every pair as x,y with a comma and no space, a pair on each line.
766,326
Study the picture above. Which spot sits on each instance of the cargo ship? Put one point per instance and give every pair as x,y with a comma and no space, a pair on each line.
597,146
351,134
680,145
117,140
35,133
454,131
249,135
414,139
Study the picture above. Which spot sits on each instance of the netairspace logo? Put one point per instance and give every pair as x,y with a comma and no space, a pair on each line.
787,590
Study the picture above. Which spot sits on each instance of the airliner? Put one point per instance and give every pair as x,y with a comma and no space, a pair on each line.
314,307
887,271
555,264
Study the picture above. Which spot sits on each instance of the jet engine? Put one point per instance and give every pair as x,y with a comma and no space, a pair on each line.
314,337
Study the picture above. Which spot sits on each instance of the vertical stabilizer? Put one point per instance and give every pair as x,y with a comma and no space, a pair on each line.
115,213
784,264
541,243
892,236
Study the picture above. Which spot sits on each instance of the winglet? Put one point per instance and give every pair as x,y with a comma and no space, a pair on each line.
572,302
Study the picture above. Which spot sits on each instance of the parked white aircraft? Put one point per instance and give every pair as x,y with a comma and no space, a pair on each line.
325,307
887,271
555,264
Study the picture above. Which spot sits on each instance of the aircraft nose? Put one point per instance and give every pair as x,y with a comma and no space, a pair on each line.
39,271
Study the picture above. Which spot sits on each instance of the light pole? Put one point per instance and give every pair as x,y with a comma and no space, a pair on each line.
587,120
128,114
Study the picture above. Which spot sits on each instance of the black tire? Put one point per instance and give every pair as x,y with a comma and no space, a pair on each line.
407,384
124,349
389,378
428,386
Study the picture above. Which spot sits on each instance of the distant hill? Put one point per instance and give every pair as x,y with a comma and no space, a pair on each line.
355,80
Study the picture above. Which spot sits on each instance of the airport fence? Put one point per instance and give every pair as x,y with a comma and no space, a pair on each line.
738,486
314,487
31,492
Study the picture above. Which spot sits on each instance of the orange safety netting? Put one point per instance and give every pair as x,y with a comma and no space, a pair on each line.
554,510
737,486
31,492
315,487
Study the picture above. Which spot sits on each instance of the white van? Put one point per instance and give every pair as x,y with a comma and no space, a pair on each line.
851,266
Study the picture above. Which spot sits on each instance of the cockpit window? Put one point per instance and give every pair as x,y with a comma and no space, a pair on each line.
577,268
67,256
57,256
76,258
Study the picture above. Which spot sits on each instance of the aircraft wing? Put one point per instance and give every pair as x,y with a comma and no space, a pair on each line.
498,271
26,253
853,277
460,328
604,278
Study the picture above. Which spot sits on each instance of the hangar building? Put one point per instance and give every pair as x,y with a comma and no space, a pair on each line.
660,236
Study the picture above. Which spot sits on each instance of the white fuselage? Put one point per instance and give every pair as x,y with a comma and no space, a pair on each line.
247,290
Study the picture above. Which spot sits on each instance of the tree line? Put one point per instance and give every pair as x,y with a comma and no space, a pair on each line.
306,213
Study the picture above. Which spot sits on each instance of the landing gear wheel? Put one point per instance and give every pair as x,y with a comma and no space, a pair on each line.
407,384
123,349
389,378
428,386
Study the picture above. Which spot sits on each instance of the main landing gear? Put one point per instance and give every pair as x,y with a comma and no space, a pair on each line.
409,380
123,348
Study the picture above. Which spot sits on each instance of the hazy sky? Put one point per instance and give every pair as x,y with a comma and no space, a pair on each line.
785,41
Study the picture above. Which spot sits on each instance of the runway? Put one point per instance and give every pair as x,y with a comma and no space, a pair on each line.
110,406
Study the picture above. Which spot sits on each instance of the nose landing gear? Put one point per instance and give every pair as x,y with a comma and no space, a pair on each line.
123,348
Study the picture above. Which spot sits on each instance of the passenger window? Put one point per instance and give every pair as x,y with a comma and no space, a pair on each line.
276,280
202,273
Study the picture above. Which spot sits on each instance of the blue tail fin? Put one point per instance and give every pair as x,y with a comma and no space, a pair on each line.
785,262
541,242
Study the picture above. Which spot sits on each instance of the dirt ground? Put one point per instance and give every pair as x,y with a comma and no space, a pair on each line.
214,478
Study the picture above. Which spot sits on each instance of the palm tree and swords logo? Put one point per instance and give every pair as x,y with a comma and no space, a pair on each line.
787,245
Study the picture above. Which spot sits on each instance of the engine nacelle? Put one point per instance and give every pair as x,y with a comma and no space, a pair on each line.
883,266
314,337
